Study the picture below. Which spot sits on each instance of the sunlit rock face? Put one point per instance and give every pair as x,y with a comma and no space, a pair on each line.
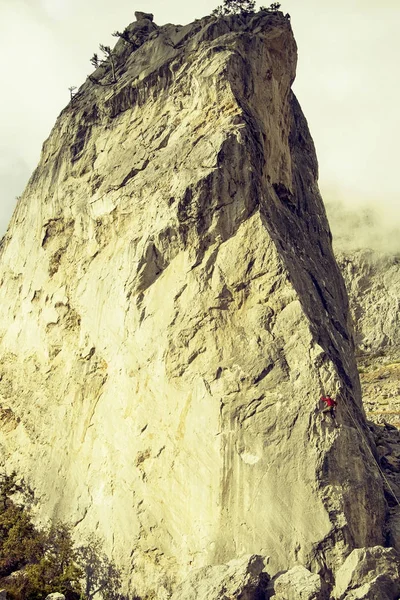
373,283
172,310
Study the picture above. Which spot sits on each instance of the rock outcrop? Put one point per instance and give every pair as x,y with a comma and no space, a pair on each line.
369,574
172,310
299,584
242,578
373,283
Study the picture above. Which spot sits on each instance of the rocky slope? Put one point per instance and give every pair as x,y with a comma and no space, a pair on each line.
172,310
373,283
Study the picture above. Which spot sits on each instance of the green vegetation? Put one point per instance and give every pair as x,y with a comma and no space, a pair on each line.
125,35
108,59
273,8
35,563
99,574
235,7
238,7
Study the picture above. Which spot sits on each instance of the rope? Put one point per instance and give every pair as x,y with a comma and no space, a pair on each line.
363,437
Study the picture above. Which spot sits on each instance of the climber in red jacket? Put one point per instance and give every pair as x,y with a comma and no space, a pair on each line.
330,407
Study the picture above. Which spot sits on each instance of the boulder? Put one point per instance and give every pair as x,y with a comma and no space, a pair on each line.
55,596
240,578
142,16
299,584
3,595
370,574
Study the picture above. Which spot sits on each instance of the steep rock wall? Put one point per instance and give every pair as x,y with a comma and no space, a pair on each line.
373,283
171,311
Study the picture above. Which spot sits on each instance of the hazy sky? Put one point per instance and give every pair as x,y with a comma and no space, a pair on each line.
347,83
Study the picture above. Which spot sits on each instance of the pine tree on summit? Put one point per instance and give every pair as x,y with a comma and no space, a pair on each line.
234,7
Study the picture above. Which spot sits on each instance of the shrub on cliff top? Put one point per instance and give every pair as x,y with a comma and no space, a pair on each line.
234,7
238,7
273,8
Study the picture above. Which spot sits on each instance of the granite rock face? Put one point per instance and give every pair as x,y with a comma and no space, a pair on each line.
373,283
172,311
370,574
242,578
299,584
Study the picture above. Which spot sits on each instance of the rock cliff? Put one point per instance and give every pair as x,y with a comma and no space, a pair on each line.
172,310
373,283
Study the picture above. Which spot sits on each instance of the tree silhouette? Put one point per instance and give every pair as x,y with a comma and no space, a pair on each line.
237,7
95,60
234,7
109,57
100,574
35,563
56,569
71,92
108,53
124,35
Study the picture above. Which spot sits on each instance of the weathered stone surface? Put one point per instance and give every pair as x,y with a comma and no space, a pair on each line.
394,528
370,573
172,311
142,16
373,282
240,578
299,584
55,596
3,595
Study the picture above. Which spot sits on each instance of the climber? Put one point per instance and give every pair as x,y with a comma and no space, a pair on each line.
330,407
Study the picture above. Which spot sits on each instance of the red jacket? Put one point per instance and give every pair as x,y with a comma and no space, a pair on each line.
328,400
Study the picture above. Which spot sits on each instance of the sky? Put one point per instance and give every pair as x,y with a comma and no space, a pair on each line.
347,83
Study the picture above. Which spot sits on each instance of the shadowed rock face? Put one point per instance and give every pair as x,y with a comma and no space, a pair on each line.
172,310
